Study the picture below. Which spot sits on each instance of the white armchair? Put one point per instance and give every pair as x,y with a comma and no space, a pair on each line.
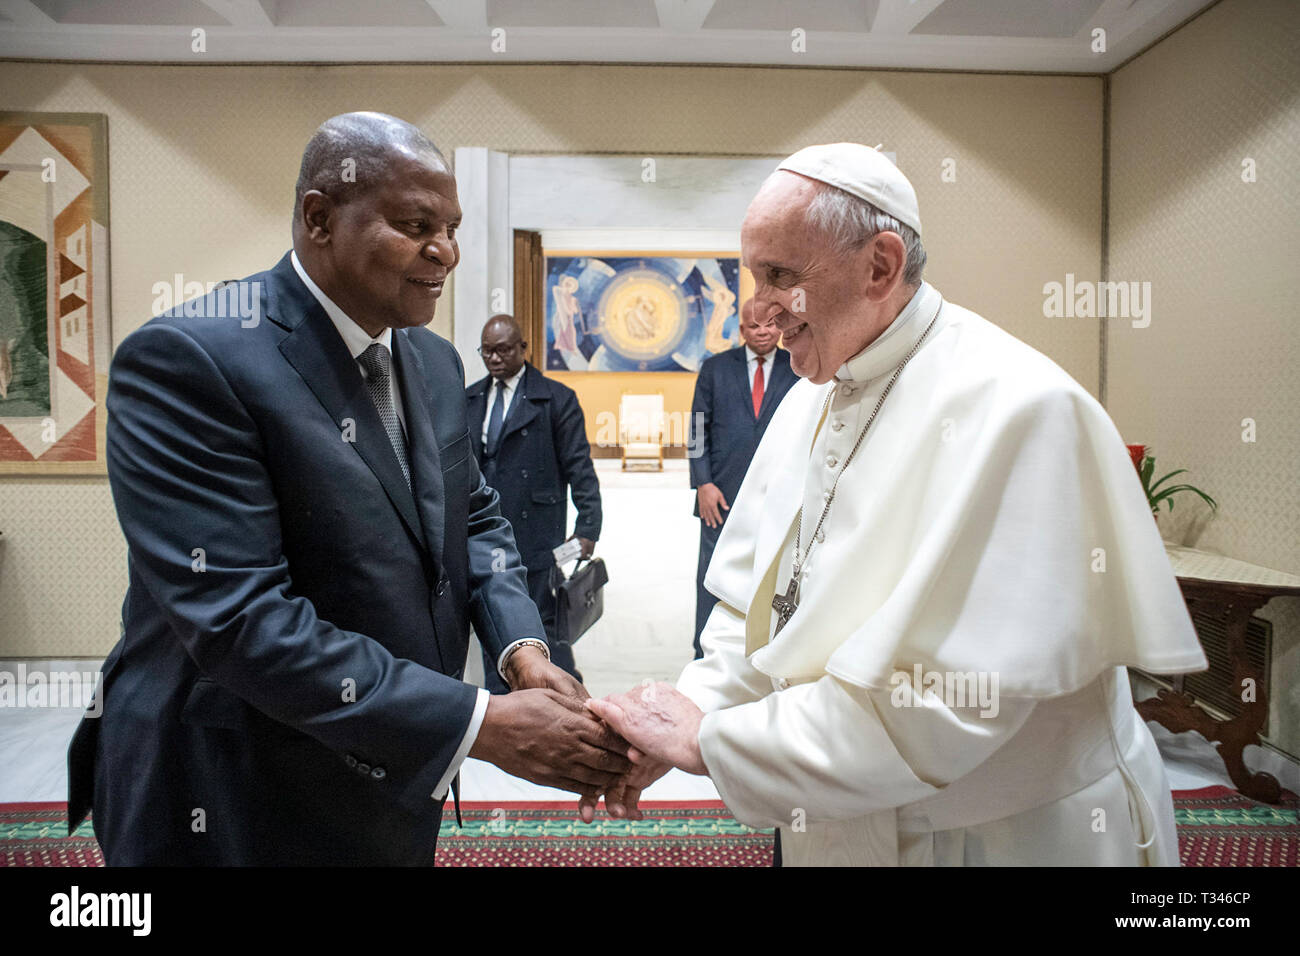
641,430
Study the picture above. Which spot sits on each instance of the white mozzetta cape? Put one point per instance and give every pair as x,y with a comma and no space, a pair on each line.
991,522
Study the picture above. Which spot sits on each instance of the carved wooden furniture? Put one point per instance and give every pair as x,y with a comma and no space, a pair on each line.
1232,591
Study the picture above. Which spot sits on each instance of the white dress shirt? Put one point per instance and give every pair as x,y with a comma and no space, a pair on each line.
511,386
751,365
354,336
358,340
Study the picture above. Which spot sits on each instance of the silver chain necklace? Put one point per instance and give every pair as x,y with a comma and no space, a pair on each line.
786,604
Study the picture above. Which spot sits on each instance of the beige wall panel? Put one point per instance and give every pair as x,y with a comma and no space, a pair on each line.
202,162
1221,256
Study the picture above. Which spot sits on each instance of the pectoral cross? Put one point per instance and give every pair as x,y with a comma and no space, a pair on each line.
785,605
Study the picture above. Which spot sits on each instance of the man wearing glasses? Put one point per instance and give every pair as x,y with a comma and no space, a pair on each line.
735,396
530,439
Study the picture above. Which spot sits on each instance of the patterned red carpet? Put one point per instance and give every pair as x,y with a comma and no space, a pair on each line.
693,833
1216,827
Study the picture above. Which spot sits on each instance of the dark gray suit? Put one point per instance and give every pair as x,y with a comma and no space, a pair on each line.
542,454
297,682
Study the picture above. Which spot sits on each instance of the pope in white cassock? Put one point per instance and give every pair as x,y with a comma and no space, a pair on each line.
936,570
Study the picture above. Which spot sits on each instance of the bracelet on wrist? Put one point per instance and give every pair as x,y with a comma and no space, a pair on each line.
526,642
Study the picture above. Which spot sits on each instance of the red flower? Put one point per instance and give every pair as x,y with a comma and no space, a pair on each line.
1137,453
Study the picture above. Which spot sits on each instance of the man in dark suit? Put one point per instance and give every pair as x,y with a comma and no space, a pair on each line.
530,440
308,540
735,395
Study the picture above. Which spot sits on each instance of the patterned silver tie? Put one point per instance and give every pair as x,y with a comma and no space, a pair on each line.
379,365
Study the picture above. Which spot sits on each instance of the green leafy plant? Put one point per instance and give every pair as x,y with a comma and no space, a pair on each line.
1157,491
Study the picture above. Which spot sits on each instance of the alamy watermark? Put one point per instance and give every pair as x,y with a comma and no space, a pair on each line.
39,688
666,428
953,689
215,300
1084,299
133,911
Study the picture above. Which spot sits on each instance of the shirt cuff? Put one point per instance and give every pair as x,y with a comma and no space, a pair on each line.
506,653
471,734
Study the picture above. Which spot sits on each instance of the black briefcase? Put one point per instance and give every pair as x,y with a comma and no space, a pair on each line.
579,599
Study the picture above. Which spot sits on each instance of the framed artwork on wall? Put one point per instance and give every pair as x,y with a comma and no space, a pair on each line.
640,312
54,309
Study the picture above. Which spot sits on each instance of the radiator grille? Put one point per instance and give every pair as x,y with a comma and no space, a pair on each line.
1214,689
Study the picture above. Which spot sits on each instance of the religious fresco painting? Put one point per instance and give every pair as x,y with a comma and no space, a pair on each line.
54,316
640,312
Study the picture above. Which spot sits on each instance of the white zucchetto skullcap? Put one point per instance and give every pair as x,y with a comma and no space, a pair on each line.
865,172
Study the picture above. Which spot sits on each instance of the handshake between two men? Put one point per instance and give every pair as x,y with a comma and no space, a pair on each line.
550,731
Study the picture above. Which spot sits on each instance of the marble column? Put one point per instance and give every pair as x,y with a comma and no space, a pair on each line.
483,283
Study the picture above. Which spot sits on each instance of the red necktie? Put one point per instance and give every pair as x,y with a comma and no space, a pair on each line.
758,386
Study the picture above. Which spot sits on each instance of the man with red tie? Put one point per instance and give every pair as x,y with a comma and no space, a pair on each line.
735,395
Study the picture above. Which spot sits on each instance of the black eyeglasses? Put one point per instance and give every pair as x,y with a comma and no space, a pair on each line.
500,350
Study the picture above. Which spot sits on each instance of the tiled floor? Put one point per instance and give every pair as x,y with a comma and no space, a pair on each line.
644,634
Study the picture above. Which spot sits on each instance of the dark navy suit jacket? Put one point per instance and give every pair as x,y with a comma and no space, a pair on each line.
543,453
287,687
724,432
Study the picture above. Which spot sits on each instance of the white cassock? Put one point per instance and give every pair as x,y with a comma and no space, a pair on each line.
990,527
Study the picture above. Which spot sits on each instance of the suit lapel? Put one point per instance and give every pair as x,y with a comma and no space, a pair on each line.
315,349
422,442
475,410
521,410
